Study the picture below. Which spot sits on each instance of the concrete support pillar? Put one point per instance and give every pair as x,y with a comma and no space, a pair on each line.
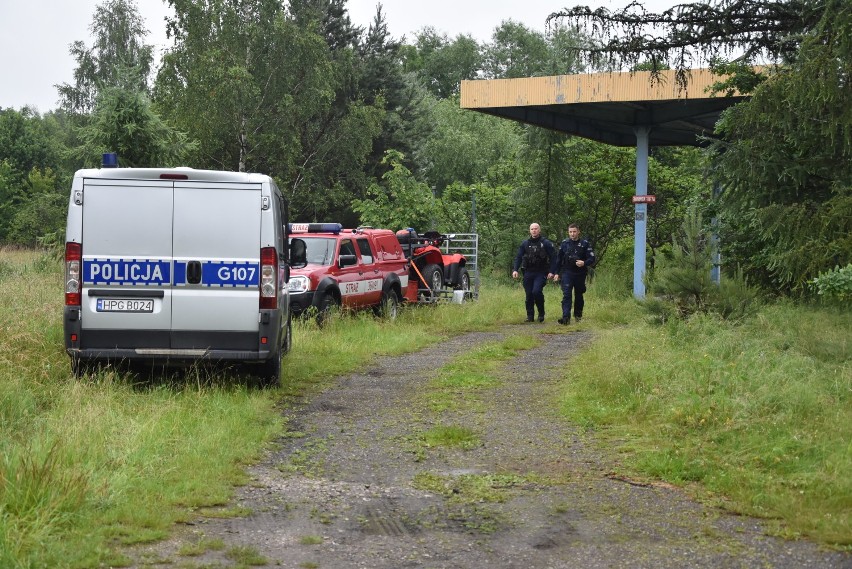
716,242
641,212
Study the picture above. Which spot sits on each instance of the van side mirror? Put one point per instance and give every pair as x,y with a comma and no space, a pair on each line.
298,253
346,261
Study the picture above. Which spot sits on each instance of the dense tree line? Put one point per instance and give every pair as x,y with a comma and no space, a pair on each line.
783,158
362,127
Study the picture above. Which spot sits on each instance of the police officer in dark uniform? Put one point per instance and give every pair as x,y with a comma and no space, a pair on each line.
535,256
573,260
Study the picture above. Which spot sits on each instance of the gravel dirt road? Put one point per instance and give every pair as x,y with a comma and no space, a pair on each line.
356,488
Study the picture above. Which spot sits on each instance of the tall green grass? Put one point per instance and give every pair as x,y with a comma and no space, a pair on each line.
87,465
90,465
758,412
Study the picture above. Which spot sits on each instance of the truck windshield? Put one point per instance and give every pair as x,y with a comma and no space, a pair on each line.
320,250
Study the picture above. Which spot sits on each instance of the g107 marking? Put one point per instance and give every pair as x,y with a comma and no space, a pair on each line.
238,274
241,274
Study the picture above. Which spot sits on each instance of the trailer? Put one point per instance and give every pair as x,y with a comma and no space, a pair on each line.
440,266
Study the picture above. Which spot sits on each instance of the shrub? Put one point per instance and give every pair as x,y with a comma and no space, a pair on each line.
735,299
682,284
684,278
835,284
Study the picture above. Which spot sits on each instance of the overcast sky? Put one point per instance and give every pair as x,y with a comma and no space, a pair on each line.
35,34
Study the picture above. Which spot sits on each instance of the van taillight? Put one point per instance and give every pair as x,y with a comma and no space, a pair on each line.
268,278
73,265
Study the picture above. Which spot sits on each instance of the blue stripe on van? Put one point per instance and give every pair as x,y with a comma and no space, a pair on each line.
180,273
234,274
222,274
126,271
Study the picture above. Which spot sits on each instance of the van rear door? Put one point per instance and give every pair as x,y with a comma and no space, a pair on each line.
216,249
127,253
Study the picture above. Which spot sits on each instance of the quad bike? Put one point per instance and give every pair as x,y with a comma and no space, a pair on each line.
433,273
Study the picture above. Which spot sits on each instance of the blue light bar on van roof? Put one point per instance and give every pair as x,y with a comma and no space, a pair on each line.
109,160
315,228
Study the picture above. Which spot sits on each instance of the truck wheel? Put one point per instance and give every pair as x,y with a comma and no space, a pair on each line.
435,280
389,307
327,307
464,280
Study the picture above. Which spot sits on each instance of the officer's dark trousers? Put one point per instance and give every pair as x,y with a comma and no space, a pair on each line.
534,282
575,282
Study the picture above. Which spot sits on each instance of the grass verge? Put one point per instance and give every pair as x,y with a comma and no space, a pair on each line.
90,466
758,412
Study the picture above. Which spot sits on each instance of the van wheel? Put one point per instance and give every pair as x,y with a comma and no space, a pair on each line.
389,307
434,280
287,343
328,306
270,370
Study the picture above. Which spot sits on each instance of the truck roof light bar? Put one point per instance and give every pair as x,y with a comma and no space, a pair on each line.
335,228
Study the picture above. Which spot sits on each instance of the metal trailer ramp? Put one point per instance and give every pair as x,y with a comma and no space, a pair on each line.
466,244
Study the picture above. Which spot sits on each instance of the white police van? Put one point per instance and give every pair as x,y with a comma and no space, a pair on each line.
175,266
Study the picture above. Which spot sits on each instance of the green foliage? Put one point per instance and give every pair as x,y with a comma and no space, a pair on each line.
581,181
95,464
682,279
41,213
10,195
124,122
596,193
31,148
382,83
399,201
834,285
457,383
735,299
497,221
786,163
739,77
118,57
546,179
784,157
28,141
677,177
441,62
266,90
515,51
465,145
89,466
470,488
40,498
